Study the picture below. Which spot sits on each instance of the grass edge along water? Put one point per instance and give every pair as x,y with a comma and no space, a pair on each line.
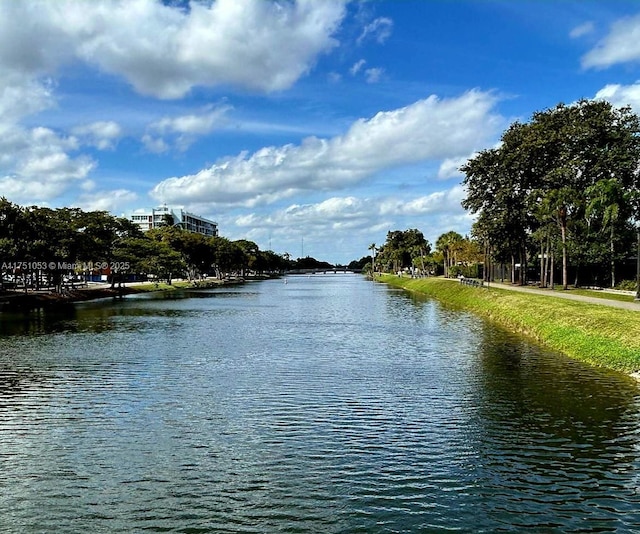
600,335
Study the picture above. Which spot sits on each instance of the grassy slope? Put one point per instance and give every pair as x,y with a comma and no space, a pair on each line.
161,286
608,337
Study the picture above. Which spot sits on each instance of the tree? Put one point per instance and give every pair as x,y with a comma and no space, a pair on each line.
372,248
448,244
497,190
149,256
250,252
551,161
227,256
607,199
12,227
401,247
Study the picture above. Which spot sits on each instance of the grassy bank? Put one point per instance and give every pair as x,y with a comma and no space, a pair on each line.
603,336
160,286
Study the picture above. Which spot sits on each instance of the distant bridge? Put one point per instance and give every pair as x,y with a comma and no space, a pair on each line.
330,270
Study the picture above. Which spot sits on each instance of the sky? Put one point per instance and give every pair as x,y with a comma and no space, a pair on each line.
311,127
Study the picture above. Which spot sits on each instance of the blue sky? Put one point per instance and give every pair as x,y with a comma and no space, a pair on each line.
311,127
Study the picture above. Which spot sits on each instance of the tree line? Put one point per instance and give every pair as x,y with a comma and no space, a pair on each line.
559,194
40,246
562,189
409,251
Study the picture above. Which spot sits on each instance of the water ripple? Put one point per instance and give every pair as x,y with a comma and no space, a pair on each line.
345,408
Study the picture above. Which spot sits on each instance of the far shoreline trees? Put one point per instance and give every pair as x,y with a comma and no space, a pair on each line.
40,247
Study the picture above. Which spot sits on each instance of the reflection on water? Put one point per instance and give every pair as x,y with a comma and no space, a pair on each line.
556,432
329,404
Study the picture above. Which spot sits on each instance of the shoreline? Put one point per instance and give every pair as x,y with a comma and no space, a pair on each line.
596,333
19,300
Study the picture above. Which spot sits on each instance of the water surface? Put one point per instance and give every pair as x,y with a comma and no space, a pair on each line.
327,404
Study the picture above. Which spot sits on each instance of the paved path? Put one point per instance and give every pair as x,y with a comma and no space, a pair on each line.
635,306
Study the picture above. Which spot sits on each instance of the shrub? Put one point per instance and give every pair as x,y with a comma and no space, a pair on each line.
627,285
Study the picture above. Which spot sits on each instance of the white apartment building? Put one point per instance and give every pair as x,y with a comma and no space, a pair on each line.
156,217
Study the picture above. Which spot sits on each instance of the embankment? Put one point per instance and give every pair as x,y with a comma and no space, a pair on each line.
17,300
600,335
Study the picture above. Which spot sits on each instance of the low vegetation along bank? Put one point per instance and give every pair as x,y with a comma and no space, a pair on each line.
602,336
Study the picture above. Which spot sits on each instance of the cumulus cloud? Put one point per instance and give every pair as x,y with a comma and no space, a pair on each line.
345,226
101,134
621,95
334,213
155,144
161,49
35,165
164,51
621,45
438,202
21,95
182,130
427,130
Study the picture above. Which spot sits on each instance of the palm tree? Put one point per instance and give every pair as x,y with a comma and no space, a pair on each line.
372,248
448,244
606,198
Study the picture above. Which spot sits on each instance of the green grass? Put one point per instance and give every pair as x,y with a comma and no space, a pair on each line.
160,286
603,336
595,293
602,294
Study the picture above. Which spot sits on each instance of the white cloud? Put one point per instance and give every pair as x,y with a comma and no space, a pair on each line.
582,30
35,165
621,45
380,30
430,129
155,144
373,75
105,200
621,95
190,124
163,50
357,67
21,96
438,202
182,130
101,134
341,228
450,167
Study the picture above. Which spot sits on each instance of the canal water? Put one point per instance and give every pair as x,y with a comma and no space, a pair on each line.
326,404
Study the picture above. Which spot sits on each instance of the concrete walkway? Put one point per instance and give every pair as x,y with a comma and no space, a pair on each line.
559,293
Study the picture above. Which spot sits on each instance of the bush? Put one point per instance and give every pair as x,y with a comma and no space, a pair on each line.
627,285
